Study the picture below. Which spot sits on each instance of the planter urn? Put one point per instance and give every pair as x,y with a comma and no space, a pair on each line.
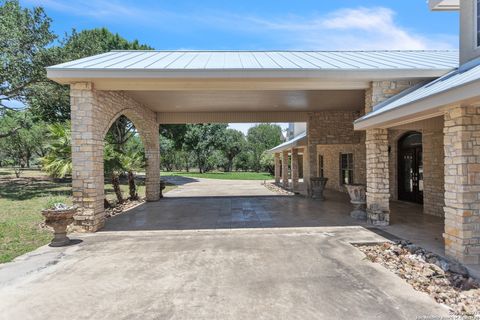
59,218
162,187
318,186
358,199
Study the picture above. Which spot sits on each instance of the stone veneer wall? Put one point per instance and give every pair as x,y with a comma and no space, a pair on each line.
331,163
462,183
377,163
92,114
330,128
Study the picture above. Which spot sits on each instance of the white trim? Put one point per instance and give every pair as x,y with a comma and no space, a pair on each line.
444,5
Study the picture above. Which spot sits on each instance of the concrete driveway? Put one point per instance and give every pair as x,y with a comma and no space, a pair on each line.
254,257
305,273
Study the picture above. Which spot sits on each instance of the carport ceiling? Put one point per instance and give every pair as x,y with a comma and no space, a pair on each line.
240,101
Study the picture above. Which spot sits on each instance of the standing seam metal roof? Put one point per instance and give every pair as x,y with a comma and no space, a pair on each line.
265,60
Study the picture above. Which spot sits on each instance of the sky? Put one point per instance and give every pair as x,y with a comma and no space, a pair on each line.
262,24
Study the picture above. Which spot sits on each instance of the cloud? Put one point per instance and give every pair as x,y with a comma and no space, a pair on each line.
353,29
372,28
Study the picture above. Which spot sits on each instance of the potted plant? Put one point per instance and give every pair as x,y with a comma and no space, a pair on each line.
358,199
58,216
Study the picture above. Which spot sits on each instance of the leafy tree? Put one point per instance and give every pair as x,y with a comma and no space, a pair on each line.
24,37
167,153
243,160
267,161
233,143
58,160
202,140
23,144
50,100
260,138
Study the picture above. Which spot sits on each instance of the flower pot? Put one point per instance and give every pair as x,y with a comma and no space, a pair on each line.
358,199
59,219
318,186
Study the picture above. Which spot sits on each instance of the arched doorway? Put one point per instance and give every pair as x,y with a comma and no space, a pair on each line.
410,167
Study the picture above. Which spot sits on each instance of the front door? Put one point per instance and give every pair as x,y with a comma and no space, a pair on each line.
410,168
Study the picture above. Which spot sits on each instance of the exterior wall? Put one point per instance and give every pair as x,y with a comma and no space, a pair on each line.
377,157
468,36
92,114
331,163
329,128
462,183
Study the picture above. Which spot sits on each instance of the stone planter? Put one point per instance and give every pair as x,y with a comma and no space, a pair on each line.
358,199
318,186
162,187
59,219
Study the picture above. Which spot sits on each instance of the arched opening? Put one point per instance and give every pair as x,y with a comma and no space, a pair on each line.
124,163
410,167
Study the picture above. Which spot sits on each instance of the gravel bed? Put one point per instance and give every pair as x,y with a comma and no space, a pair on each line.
447,282
277,189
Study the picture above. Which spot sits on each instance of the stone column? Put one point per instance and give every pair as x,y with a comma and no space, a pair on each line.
87,158
152,174
377,164
277,168
462,184
378,189
294,169
285,169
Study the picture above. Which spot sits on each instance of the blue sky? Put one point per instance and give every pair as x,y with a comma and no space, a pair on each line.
262,25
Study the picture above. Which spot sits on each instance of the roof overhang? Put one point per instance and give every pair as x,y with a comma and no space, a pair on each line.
236,79
431,106
444,5
298,141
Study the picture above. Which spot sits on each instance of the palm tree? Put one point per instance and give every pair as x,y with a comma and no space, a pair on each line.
132,161
113,168
58,160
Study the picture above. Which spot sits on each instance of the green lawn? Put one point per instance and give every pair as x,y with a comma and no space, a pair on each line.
21,201
223,175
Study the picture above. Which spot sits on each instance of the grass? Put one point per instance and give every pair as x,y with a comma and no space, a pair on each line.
240,175
21,201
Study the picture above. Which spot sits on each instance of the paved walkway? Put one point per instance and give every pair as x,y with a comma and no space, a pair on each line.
227,257
199,187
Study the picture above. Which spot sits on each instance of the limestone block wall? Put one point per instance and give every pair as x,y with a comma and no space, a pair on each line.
330,128
462,183
331,163
92,114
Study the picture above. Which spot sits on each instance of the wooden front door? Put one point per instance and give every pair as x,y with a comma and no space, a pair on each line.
410,168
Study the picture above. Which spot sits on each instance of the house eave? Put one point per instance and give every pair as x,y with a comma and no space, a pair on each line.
444,5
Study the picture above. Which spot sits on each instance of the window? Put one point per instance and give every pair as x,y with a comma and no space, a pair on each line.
477,21
346,168
320,166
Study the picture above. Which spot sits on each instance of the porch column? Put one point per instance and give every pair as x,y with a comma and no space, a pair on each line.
462,183
378,189
294,169
277,168
152,174
87,158
285,169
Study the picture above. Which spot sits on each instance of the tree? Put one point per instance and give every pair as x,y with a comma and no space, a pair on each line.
24,37
202,140
167,153
20,146
233,143
267,161
243,160
260,138
113,167
49,100
58,160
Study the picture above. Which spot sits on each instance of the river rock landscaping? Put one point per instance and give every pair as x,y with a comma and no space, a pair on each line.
447,282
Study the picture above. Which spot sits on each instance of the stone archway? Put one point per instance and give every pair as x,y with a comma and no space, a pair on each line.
93,112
